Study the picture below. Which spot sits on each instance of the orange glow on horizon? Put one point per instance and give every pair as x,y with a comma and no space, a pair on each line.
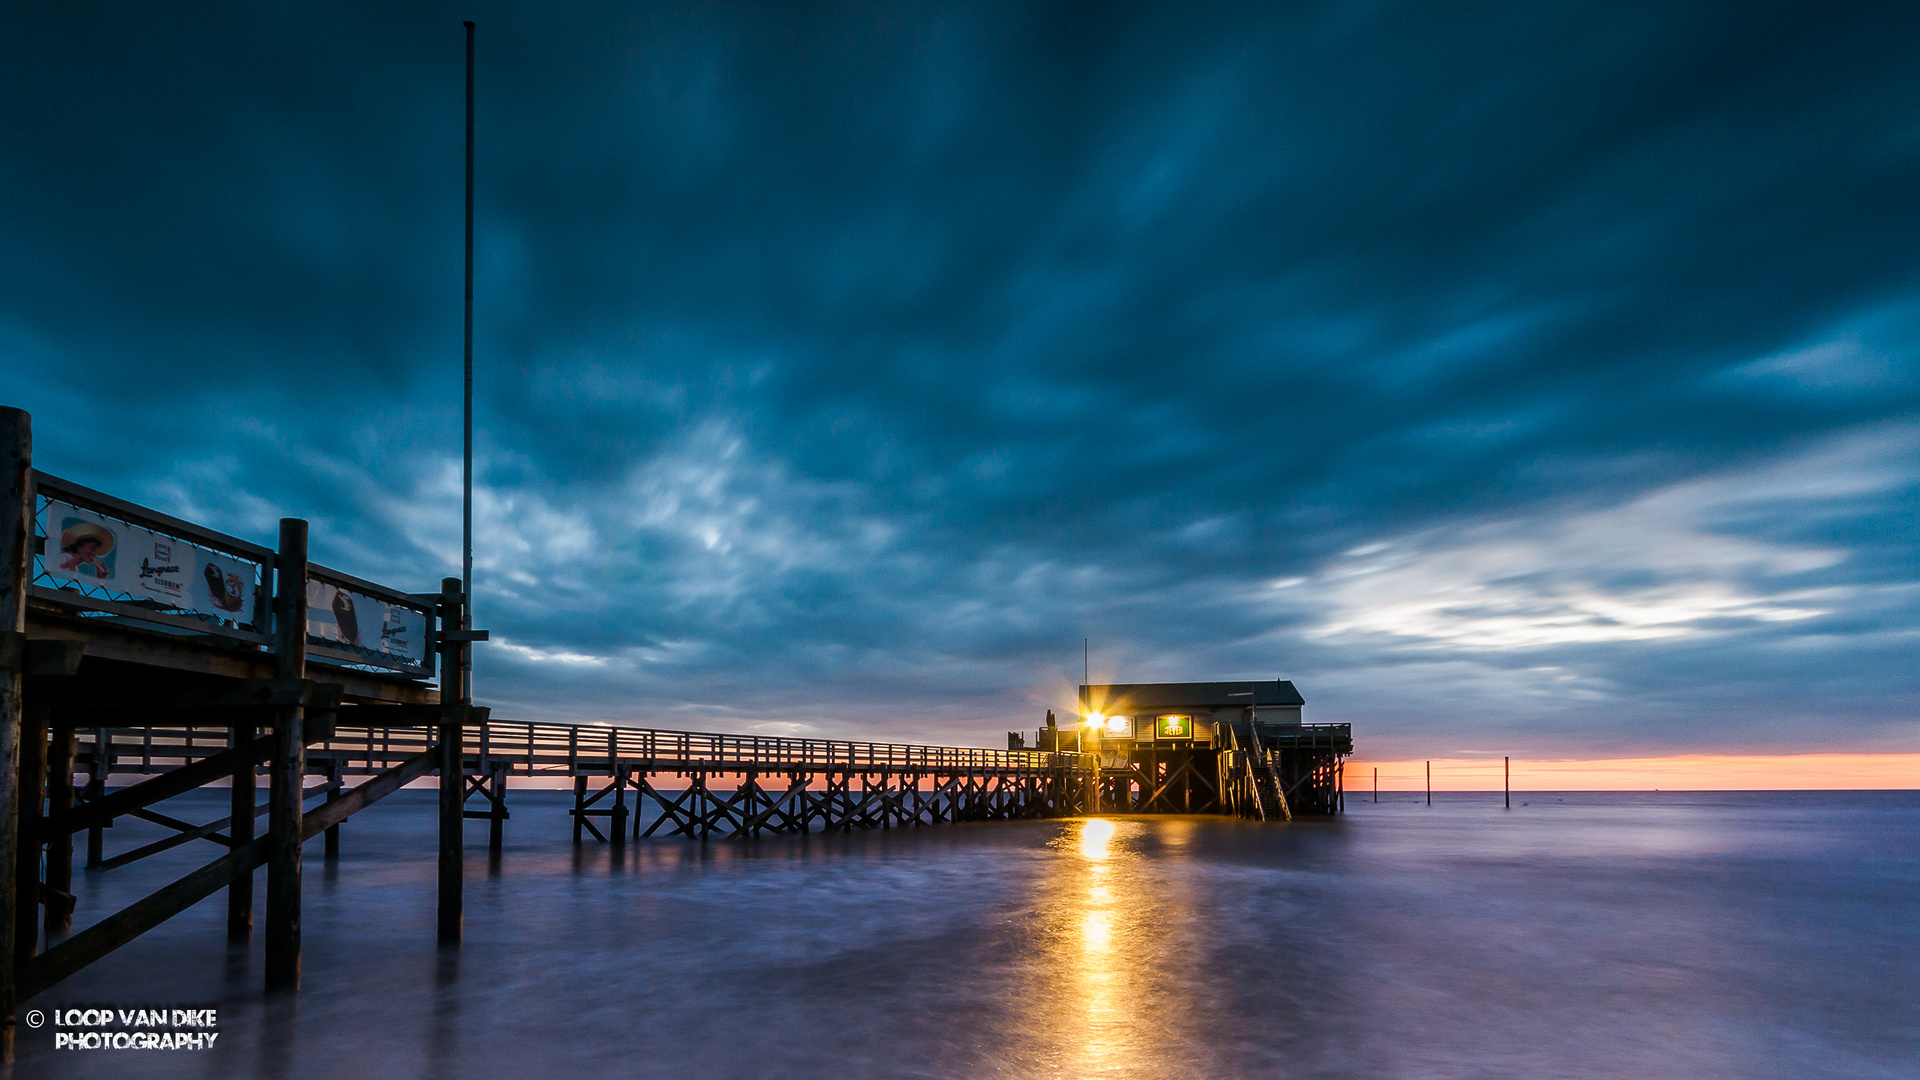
1684,772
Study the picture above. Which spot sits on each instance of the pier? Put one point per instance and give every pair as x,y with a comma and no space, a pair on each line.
141,647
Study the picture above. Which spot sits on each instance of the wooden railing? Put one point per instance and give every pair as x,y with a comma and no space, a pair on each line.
114,580
535,749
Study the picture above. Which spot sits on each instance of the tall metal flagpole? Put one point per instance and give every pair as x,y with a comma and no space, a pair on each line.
466,476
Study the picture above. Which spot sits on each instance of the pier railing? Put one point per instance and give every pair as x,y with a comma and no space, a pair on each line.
521,748
119,561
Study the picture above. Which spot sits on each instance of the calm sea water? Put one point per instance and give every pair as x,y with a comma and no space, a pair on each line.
1658,935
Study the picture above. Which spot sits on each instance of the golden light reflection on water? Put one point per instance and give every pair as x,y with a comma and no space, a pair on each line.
1101,954
1095,836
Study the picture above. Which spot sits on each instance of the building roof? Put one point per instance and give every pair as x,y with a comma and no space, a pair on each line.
1113,696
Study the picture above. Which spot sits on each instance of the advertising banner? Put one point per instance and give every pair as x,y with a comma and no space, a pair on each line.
356,620
1173,727
84,547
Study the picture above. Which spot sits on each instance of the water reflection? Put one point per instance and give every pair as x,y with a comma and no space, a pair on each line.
1103,959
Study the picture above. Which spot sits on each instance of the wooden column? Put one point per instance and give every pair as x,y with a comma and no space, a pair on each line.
288,765
335,774
497,827
101,763
454,700
33,786
579,805
60,847
16,559
618,836
240,807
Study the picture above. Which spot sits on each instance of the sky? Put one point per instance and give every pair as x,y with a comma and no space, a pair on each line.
1515,378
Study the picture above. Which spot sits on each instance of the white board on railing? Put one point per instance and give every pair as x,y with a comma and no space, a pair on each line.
359,621
86,548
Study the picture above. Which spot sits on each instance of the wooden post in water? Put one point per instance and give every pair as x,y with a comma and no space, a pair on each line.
453,713
334,775
60,845
1376,783
34,721
618,836
579,804
288,766
240,829
496,827
96,788
1506,780
1429,781
16,557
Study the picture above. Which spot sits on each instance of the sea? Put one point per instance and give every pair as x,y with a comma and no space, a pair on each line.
1659,935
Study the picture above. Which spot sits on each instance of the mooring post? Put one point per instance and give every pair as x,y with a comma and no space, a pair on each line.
1429,783
1506,780
1376,783
16,559
240,829
454,701
288,766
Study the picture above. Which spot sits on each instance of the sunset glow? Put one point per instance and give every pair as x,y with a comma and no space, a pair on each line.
1686,772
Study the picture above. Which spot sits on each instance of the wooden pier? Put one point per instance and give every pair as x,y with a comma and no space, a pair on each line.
141,647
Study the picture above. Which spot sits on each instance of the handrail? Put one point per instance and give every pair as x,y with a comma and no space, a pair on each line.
532,748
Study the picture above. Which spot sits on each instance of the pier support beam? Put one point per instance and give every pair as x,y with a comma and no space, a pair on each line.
496,827
16,535
288,764
33,786
455,697
240,830
59,887
617,836
97,768
336,775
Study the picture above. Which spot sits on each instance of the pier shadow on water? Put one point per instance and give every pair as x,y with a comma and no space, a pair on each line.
1659,935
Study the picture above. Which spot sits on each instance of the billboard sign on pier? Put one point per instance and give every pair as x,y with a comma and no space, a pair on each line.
90,549
355,620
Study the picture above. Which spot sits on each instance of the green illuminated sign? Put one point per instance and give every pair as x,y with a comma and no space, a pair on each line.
1173,727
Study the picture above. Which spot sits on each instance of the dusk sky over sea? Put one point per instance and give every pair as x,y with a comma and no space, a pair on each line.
1530,379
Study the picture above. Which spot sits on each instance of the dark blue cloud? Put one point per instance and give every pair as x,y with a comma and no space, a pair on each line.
1539,377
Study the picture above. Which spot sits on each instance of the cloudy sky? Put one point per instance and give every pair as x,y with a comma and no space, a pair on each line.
1532,378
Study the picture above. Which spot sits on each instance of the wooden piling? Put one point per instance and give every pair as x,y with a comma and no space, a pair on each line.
579,805
240,830
98,765
453,777
1429,783
33,785
335,774
59,884
618,834
16,560
496,828
287,765
1506,780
